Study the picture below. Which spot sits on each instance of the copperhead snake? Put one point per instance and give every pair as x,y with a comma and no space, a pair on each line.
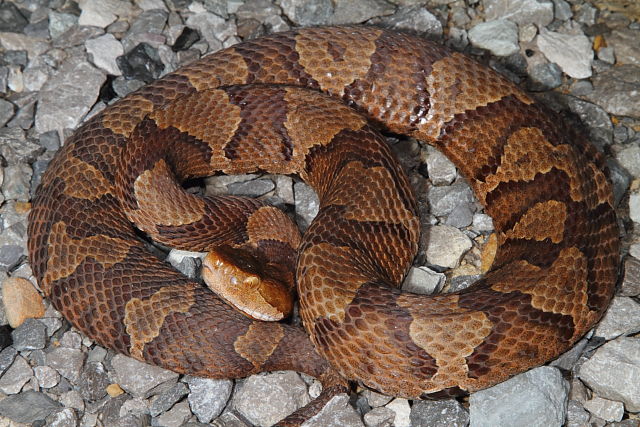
310,102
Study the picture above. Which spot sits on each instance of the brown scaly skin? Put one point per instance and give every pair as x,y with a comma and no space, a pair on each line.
552,278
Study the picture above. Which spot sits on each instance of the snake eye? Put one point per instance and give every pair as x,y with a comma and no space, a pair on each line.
234,280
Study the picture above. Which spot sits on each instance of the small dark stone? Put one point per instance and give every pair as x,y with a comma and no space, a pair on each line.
5,336
93,381
185,40
110,412
16,57
141,63
27,407
166,400
597,29
11,19
107,92
31,335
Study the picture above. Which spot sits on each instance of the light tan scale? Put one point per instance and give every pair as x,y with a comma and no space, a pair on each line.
311,102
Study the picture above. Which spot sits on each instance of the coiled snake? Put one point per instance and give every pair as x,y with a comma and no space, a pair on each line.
308,102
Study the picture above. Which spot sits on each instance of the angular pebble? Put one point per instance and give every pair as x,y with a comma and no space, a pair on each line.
402,410
577,416
31,335
104,50
254,188
27,407
94,381
21,301
608,410
139,378
446,246
631,283
534,398
97,13
572,52
622,318
306,203
207,397
414,18
439,413
16,376
308,12
63,418
500,37
266,399
520,11
175,417
625,44
379,417
6,111
350,12
47,376
613,372
68,96
441,170
166,400
618,91
336,413
443,200
629,158
67,361
422,280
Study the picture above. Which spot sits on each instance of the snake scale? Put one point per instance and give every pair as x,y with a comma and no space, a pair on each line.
310,102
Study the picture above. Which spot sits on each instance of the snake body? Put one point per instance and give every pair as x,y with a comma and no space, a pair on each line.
309,102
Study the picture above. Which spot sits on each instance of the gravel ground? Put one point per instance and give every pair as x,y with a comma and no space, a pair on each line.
62,61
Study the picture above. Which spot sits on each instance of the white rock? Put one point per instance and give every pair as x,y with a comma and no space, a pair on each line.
441,170
629,158
97,13
208,397
520,11
336,413
613,372
482,222
403,412
622,318
104,50
608,410
18,374
379,417
47,376
268,398
423,280
572,53
634,207
137,378
500,37
537,398
446,246
68,96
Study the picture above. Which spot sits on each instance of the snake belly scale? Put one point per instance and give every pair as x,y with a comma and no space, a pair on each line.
309,102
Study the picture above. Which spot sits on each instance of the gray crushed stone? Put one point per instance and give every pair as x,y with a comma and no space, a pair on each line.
62,61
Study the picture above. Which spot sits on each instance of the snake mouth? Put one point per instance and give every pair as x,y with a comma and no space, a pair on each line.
254,296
